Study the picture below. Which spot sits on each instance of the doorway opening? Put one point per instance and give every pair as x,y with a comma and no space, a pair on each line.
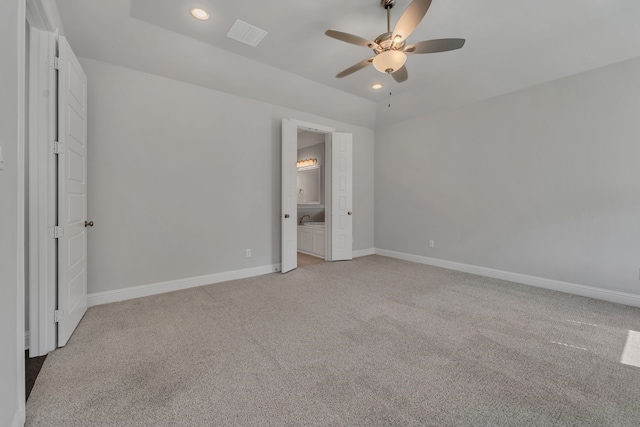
316,216
311,231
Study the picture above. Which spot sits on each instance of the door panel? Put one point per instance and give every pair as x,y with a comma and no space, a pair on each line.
341,193
289,212
43,298
72,192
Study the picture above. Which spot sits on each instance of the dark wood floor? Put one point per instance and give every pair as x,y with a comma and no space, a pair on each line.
31,370
304,259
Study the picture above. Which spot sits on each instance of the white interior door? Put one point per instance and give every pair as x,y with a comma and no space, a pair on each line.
289,256
43,98
72,192
341,197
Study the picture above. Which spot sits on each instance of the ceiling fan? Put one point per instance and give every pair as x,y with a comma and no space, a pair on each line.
390,48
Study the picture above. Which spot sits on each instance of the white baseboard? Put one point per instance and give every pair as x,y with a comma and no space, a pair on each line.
26,340
363,252
107,297
124,294
540,282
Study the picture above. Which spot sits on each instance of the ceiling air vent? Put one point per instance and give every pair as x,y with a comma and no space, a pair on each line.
246,33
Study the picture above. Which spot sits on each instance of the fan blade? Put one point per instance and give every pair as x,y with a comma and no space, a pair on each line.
433,46
411,18
350,38
359,66
401,75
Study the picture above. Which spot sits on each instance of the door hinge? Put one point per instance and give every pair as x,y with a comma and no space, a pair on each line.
57,147
56,63
58,315
56,232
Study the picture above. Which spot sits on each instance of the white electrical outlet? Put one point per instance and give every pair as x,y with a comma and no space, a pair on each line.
432,244
248,253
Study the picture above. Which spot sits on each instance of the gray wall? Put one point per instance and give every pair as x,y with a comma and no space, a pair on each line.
12,22
183,179
544,181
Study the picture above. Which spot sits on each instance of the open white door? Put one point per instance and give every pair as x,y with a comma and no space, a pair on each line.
43,98
72,192
289,256
341,197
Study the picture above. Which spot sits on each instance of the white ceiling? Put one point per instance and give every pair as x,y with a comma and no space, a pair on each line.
510,44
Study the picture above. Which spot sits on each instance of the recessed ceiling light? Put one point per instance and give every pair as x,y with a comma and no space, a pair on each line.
376,86
200,14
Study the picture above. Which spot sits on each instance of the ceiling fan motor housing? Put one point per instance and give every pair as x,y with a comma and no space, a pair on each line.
385,42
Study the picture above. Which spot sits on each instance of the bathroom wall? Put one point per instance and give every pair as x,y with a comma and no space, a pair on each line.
311,146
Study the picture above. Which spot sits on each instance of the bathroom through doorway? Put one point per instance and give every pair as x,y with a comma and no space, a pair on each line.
316,216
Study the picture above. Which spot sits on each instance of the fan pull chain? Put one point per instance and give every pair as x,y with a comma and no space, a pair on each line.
389,99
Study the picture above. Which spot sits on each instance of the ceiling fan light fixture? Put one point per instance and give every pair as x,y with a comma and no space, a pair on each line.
390,48
389,61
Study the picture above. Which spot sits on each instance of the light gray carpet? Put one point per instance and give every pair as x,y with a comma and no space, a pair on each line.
372,342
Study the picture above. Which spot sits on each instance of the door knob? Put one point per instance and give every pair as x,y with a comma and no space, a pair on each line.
349,213
286,216
88,223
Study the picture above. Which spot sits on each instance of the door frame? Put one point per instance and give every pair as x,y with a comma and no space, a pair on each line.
42,250
328,179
